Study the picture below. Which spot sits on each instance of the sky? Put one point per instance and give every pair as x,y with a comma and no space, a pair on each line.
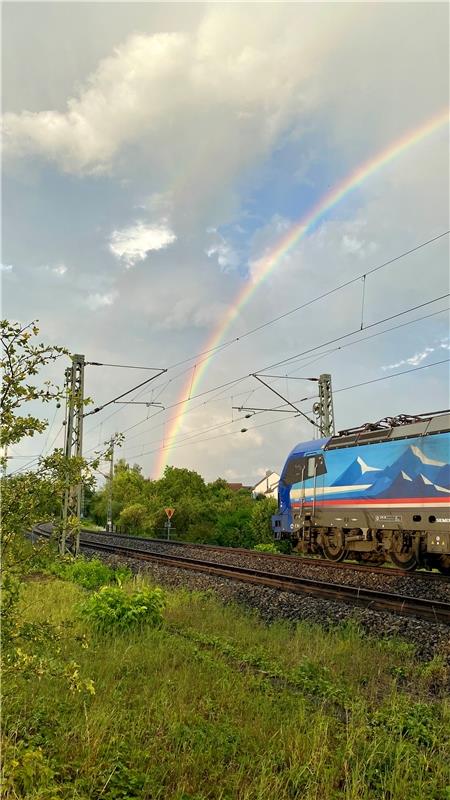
155,154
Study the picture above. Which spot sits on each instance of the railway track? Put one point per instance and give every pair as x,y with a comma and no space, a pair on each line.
318,563
275,558
428,609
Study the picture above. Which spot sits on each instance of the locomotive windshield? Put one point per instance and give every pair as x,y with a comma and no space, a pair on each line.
300,468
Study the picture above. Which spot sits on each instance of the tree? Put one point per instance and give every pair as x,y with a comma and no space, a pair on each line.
22,359
132,518
128,487
177,483
33,496
261,522
233,529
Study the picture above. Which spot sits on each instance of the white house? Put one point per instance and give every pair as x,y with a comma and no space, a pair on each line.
267,486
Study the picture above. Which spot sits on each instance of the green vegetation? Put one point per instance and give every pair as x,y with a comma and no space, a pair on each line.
111,609
33,496
213,704
204,512
113,689
89,574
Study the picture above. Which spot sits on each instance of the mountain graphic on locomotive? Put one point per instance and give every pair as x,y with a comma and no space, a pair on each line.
377,492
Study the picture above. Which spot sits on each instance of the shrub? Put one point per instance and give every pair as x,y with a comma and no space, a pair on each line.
26,771
266,548
91,574
133,518
112,609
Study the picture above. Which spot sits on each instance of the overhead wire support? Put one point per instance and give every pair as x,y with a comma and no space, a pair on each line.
288,377
110,457
301,413
124,394
138,403
122,366
255,410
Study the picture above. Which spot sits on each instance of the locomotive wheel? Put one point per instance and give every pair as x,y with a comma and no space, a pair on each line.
333,546
402,553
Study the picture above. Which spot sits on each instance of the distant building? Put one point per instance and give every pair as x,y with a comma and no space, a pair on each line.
235,487
267,486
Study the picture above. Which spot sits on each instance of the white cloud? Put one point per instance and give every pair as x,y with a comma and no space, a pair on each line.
352,245
96,301
245,88
413,361
416,359
6,267
133,244
227,257
183,123
60,269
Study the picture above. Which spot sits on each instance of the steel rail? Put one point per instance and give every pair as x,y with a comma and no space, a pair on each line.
316,563
431,610
310,562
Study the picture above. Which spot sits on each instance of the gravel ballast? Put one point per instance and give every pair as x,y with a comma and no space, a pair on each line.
418,585
429,639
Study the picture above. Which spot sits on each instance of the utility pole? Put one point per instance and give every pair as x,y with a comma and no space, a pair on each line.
69,541
110,487
324,408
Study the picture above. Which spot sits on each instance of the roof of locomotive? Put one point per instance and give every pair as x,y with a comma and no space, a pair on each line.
311,447
370,434
384,431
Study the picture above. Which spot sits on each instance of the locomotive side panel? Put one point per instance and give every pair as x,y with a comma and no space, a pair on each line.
387,496
395,484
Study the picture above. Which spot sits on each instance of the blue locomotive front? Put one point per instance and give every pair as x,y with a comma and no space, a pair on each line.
372,493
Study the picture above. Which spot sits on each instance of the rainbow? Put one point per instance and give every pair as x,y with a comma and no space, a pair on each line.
271,260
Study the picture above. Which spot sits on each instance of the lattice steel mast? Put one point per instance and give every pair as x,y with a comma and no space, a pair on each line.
324,408
69,541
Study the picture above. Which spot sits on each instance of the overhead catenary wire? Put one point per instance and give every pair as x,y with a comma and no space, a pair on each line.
323,295
124,394
360,340
305,353
353,332
140,388
309,362
335,391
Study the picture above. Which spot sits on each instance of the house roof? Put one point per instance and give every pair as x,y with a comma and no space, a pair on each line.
264,478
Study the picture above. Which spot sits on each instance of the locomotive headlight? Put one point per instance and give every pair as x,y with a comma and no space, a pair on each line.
291,526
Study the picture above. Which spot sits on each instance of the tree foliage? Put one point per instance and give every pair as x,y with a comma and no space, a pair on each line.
33,496
22,360
204,512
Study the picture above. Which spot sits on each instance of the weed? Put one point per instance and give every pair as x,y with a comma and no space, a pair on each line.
214,705
417,722
25,769
91,574
266,548
308,677
112,609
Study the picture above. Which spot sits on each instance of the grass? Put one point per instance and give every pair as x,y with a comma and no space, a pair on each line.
215,705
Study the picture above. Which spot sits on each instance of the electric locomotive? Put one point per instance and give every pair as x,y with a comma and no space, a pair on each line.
377,492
